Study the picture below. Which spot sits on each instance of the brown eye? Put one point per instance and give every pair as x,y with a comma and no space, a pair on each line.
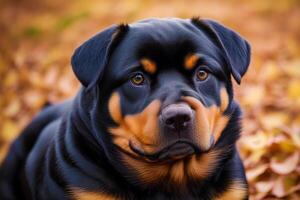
137,79
202,75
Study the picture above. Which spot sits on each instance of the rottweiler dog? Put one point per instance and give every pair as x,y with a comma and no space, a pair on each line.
155,119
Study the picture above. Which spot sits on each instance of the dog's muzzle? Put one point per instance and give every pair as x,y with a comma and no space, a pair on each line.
177,133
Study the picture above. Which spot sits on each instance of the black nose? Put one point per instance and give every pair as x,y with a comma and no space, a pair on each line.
177,116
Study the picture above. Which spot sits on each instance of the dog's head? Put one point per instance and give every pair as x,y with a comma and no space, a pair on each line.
162,103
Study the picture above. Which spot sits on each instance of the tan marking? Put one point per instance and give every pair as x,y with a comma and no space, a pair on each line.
147,172
114,107
197,167
202,121
81,194
141,129
219,127
209,120
149,65
221,120
237,190
178,172
224,99
202,166
190,61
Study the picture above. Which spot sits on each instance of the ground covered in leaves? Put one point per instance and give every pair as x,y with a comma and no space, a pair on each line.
38,37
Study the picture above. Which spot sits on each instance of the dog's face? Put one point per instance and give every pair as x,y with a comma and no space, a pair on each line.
164,88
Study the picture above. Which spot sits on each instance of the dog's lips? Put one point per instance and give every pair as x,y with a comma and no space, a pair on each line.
177,150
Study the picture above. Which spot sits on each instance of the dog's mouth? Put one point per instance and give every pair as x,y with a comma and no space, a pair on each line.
177,150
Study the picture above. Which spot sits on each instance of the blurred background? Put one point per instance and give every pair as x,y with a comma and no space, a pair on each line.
37,39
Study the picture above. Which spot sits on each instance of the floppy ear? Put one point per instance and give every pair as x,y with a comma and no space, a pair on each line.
236,49
89,59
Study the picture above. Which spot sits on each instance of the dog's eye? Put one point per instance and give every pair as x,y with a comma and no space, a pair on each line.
137,79
202,75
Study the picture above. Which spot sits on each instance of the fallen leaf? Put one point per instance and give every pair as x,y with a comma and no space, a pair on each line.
252,174
287,166
256,141
274,120
264,186
13,108
253,95
9,130
294,89
278,188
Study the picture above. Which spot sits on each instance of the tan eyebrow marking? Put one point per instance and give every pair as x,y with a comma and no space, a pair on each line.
148,65
190,61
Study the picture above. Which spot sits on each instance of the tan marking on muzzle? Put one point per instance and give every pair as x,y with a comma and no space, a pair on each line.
190,61
209,120
148,65
142,131
141,128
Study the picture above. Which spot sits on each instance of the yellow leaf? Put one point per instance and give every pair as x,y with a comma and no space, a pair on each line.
294,89
288,146
11,79
9,130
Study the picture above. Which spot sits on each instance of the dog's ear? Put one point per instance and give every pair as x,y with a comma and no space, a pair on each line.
236,49
89,59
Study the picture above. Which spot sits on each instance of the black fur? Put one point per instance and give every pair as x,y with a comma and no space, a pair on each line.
69,145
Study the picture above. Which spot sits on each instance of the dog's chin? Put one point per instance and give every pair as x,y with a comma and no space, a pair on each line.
172,152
